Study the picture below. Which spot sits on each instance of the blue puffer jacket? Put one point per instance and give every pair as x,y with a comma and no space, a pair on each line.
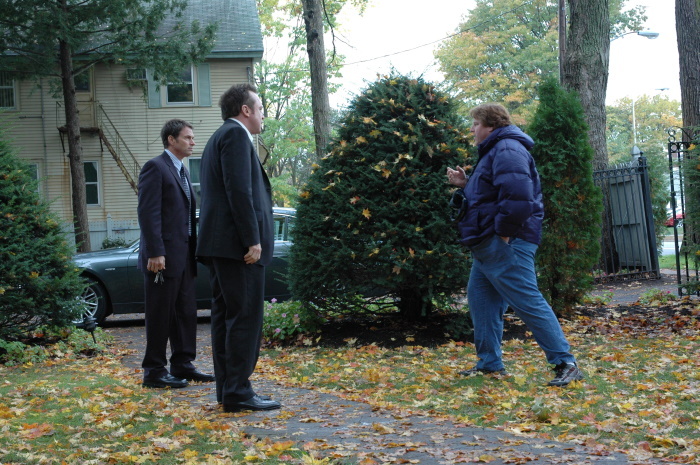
503,193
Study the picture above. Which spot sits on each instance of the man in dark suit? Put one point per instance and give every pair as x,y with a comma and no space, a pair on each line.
166,212
236,243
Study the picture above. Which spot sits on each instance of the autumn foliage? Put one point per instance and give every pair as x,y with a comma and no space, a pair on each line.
573,204
39,284
374,216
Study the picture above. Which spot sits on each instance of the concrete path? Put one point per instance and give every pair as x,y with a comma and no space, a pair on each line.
358,433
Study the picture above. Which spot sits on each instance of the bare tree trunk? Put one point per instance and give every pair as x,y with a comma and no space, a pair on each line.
561,14
586,60
75,151
688,33
585,68
688,36
313,20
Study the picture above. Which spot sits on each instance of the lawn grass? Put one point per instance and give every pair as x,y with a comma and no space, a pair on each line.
640,392
640,396
667,262
91,411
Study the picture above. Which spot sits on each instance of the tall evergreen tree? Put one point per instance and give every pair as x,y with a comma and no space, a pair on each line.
39,284
374,217
570,245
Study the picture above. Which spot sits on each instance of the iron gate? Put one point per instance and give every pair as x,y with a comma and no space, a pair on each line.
680,141
628,240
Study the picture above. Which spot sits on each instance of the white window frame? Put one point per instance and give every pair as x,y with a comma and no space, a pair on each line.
13,86
35,175
97,183
136,74
192,83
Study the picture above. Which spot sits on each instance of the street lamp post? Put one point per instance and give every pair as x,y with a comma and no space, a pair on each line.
647,34
562,36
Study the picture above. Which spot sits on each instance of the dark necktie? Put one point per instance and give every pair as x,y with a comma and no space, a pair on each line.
183,179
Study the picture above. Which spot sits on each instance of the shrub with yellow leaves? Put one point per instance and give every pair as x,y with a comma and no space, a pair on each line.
374,218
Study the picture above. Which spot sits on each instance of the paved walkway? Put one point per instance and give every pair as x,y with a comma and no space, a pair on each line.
628,292
355,431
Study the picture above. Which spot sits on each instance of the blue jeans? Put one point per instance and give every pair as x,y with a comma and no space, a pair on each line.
503,275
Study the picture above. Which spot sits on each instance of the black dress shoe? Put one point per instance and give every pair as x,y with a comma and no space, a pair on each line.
254,403
197,376
262,396
165,381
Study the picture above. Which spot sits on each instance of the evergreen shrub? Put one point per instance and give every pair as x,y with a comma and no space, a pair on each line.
113,242
373,219
570,246
39,284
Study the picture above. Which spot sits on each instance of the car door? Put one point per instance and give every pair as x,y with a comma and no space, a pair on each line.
276,285
133,301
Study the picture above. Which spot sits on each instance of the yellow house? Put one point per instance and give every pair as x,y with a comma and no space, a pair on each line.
121,114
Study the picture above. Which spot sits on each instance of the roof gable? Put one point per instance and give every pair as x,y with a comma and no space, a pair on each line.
238,34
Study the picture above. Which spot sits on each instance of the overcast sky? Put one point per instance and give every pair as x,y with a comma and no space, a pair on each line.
404,34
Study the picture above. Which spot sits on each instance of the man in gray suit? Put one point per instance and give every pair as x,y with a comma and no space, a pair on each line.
166,212
236,243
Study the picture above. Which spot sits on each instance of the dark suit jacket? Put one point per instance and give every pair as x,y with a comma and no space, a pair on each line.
162,213
236,210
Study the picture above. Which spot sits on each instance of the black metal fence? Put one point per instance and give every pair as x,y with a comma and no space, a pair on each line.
680,141
628,240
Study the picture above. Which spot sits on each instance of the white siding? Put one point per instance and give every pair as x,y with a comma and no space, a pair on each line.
32,129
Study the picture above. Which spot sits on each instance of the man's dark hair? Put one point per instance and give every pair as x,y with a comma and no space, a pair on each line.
233,99
173,128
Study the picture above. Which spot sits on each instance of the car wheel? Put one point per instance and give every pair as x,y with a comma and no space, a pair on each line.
95,299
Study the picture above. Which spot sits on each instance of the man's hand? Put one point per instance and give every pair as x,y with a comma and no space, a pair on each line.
253,255
155,264
457,177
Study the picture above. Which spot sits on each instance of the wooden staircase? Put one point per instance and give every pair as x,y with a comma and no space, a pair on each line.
115,143
121,153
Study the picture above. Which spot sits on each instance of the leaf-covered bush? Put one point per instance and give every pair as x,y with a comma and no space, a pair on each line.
571,232
39,284
284,321
54,344
113,242
374,217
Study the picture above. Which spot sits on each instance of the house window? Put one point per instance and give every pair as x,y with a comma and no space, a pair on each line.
92,183
82,82
181,93
195,167
7,91
34,174
136,74
195,89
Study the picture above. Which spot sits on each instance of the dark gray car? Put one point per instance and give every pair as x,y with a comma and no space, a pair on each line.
116,286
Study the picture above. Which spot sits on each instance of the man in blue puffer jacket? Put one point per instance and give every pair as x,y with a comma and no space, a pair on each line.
502,227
